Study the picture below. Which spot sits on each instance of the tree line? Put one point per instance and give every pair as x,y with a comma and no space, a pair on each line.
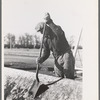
27,41
23,41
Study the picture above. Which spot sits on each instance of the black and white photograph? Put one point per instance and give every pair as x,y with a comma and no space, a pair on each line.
49,49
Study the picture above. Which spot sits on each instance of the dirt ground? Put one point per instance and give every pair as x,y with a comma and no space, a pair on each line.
25,59
17,84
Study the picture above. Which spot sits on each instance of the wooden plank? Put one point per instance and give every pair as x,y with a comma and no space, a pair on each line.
18,82
77,44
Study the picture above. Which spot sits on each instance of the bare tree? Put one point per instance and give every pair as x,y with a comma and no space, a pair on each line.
13,40
26,41
37,41
31,42
10,40
21,41
27,38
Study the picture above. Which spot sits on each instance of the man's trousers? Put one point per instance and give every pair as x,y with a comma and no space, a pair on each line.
64,65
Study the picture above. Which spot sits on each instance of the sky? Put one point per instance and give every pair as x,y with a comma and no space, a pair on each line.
21,16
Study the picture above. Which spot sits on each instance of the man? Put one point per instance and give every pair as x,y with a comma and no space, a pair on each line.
55,41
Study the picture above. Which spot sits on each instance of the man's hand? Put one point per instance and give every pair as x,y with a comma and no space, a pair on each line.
47,18
39,61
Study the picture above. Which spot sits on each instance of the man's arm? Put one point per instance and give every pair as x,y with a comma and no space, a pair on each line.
46,52
55,28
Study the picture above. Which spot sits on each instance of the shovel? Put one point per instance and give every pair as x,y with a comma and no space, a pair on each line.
37,87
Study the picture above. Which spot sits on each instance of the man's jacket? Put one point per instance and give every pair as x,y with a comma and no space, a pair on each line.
55,41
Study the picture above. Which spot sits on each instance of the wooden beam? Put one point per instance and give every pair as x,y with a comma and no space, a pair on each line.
77,44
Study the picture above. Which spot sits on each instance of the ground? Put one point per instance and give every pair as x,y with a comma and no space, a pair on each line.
25,59
17,84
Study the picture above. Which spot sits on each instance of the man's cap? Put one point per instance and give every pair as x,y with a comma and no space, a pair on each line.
39,26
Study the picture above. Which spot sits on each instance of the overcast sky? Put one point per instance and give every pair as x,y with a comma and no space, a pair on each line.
21,16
